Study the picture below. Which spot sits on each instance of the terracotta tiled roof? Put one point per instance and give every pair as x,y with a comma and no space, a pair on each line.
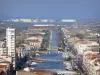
83,42
97,60
39,72
3,66
98,70
92,54
35,40
4,55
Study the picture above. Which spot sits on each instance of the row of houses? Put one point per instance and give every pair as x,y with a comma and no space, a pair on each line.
86,50
91,62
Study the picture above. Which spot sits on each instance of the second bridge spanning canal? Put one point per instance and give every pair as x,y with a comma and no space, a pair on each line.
46,59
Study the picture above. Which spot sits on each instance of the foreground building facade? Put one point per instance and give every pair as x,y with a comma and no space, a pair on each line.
91,62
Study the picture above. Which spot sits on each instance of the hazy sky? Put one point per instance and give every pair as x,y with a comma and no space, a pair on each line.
56,9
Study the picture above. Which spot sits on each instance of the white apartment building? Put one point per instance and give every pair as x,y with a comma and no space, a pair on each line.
83,46
10,43
34,41
91,61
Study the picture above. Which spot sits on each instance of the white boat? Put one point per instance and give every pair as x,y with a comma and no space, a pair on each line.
58,52
27,69
32,68
68,65
33,63
48,52
68,68
65,55
37,54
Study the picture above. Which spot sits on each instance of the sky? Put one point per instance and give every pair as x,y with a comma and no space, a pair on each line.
50,9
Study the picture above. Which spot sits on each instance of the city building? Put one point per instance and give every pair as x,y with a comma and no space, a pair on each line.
34,41
28,71
64,72
26,20
44,20
5,65
24,51
68,20
91,62
10,43
34,29
5,57
15,20
82,46
3,49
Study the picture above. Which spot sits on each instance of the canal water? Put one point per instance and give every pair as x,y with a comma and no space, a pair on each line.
54,63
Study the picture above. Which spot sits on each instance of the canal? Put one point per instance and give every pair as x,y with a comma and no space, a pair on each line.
52,54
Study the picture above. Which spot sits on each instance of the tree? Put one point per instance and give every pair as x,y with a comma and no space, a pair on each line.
80,36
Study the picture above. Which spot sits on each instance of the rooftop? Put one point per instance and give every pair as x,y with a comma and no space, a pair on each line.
3,66
38,72
33,40
94,58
